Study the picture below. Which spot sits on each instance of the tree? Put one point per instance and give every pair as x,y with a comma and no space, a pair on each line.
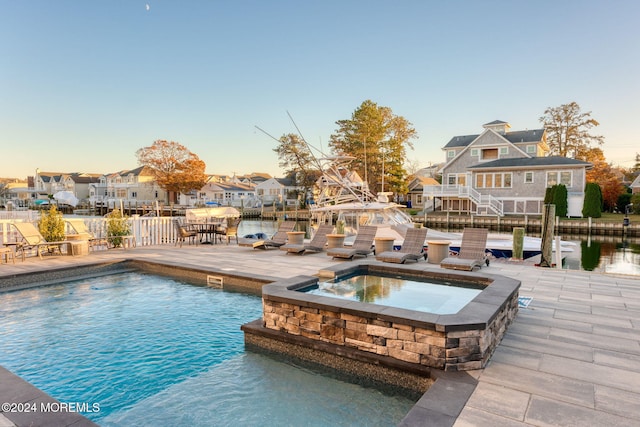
378,140
560,200
592,206
606,176
176,169
298,160
568,130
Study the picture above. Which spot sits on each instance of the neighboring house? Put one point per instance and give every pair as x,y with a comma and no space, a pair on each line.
131,187
415,197
277,190
223,194
46,183
500,172
635,185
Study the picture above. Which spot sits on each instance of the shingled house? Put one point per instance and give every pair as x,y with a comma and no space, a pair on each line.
500,172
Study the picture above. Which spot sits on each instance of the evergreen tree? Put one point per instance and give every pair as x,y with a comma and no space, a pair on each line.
560,200
592,201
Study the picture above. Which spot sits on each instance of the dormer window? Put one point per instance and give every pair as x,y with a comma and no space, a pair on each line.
451,154
531,149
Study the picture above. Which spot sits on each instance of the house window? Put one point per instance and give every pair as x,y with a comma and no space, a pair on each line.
121,193
528,177
531,149
474,152
504,151
457,179
134,194
419,199
493,180
554,178
489,154
451,154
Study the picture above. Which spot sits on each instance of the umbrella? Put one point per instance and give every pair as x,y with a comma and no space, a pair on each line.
66,197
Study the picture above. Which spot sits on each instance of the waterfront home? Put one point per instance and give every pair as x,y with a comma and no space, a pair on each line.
77,183
223,193
132,187
501,172
277,190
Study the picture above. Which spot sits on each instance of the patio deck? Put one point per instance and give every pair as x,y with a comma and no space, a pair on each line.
571,358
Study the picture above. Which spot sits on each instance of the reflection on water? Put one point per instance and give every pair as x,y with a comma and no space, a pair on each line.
604,254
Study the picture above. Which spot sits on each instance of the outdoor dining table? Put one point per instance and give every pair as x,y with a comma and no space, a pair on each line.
206,230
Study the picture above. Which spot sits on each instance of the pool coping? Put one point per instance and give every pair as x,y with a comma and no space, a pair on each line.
439,406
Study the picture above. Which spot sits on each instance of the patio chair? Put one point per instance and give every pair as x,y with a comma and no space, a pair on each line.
230,231
32,239
472,251
183,233
278,239
412,248
317,243
362,246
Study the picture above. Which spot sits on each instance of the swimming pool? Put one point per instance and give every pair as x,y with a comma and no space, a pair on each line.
151,350
432,296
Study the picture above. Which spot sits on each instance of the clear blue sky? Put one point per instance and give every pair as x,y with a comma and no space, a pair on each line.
84,84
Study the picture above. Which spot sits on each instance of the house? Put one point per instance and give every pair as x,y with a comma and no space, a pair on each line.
635,185
502,172
131,187
415,196
223,193
277,190
46,183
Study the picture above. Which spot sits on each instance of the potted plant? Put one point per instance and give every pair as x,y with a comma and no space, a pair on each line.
117,226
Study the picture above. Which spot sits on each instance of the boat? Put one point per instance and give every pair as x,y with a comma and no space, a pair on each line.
344,196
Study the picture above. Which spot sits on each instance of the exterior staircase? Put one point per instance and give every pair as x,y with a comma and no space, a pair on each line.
485,204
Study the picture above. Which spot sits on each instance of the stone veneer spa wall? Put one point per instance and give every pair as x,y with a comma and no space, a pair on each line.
452,342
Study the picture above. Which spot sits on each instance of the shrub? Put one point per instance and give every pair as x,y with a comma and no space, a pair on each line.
560,200
51,225
592,206
623,200
635,199
117,225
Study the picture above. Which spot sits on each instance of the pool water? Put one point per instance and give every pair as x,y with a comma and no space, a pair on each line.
154,351
431,297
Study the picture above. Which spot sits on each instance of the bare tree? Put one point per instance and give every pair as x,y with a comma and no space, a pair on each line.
568,131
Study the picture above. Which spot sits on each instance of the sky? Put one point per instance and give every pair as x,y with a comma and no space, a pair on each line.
85,84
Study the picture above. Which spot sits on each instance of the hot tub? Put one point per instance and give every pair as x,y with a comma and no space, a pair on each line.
460,341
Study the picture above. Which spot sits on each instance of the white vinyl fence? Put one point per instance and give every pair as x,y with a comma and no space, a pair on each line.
148,231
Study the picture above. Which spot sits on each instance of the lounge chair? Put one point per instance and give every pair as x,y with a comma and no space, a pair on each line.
472,251
183,233
412,248
317,243
278,239
32,239
81,232
362,245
